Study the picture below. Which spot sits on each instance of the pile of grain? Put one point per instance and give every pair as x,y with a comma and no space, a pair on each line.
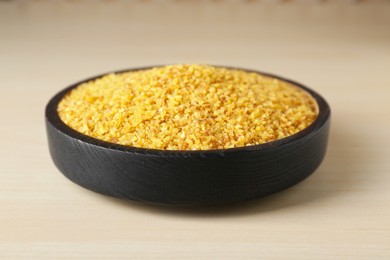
187,107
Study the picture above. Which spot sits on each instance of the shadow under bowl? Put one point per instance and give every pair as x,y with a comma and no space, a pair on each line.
187,177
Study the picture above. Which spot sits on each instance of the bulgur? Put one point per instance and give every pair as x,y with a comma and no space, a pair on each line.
187,107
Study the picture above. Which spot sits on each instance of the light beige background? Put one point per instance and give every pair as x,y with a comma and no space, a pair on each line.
339,48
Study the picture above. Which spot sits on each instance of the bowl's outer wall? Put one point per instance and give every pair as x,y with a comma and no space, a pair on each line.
187,180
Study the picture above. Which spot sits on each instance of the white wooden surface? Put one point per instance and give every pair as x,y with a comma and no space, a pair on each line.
340,49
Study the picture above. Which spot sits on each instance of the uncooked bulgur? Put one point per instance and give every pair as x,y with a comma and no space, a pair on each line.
187,107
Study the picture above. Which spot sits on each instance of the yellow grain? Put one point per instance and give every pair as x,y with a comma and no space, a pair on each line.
187,107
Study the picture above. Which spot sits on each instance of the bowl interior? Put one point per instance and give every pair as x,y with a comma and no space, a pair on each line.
322,108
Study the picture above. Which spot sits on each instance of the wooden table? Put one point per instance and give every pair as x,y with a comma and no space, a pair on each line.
342,50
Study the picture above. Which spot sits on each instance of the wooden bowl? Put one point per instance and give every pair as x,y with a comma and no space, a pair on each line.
187,177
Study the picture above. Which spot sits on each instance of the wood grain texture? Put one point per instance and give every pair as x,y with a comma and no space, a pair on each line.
341,50
187,177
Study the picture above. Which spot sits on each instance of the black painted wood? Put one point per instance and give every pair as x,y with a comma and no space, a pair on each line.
187,177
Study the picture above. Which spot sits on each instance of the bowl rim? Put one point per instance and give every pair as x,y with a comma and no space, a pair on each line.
52,117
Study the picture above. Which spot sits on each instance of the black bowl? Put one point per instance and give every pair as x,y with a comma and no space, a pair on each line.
187,177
